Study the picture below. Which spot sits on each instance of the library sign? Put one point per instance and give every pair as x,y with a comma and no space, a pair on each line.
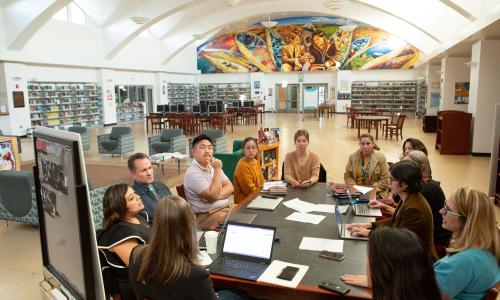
306,44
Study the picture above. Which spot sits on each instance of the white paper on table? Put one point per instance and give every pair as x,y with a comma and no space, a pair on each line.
204,258
362,189
270,184
318,244
305,218
300,206
326,208
275,268
343,208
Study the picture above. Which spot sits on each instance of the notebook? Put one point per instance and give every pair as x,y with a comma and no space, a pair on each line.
344,233
246,251
264,203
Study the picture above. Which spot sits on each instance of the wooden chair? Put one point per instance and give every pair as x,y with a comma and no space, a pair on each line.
396,129
493,292
180,191
156,123
392,121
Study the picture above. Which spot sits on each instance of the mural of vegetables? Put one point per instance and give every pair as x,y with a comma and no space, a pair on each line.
306,44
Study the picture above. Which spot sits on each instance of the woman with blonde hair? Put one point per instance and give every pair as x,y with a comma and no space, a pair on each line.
471,266
168,267
368,167
301,167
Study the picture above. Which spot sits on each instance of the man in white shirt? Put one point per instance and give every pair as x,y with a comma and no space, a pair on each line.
206,186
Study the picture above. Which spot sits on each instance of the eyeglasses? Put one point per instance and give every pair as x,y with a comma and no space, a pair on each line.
449,212
251,148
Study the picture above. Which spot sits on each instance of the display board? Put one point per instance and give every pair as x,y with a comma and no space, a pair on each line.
310,97
69,249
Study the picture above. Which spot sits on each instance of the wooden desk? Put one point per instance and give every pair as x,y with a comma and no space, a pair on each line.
287,249
375,120
329,108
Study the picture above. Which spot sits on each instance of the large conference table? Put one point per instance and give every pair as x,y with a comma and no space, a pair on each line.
286,249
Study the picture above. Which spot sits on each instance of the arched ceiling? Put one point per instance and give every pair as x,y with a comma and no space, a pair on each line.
429,25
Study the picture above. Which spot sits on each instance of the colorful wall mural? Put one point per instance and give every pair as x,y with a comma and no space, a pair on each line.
306,44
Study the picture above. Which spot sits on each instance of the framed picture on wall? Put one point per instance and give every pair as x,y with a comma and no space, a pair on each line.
9,154
18,99
461,92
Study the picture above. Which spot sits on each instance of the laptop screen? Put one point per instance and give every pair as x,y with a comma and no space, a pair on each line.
248,241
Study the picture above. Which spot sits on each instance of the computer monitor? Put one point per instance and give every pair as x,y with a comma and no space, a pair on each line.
220,105
67,233
173,108
166,108
212,108
203,106
181,108
196,109
235,104
252,103
160,108
247,104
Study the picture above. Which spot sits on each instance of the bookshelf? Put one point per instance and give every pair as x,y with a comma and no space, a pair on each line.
61,105
186,93
397,96
269,160
131,111
224,91
453,132
421,99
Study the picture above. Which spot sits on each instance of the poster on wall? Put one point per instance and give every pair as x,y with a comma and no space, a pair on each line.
305,44
461,92
9,154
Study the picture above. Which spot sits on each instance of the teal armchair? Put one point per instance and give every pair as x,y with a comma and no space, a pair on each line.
230,160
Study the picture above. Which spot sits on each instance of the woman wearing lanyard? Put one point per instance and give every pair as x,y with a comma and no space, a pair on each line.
368,167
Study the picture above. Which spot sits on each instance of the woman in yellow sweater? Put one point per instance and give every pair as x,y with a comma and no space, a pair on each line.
301,166
248,175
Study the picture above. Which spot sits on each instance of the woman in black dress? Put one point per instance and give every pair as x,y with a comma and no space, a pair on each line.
125,226
168,267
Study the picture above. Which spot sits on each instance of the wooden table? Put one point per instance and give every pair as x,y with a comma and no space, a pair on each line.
329,108
287,249
375,120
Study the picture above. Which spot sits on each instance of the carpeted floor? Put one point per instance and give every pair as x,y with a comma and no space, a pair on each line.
101,174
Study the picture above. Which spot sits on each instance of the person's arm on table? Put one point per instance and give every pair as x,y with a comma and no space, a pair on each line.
357,280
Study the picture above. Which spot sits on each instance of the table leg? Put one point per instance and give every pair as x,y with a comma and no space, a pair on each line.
376,129
178,166
358,124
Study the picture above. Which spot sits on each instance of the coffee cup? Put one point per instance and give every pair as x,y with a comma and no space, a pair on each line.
211,241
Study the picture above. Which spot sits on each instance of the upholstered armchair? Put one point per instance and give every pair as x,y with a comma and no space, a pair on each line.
84,134
230,160
17,197
218,137
170,140
119,141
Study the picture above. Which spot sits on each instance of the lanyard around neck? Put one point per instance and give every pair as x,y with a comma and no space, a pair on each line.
365,170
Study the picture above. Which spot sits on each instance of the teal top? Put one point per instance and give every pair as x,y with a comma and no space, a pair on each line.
467,275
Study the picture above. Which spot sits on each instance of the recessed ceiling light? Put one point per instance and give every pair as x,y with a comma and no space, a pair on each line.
334,4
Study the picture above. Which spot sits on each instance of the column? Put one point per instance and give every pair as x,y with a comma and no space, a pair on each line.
453,70
105,81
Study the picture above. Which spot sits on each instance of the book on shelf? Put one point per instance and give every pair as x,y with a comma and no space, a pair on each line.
268,135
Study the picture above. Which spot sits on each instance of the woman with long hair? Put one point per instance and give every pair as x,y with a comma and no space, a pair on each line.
412,144
248,177
125,226
301,167
471,266
394,273
168,267
413,211
368,167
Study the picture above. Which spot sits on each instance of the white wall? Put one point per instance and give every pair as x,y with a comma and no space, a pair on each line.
433,86
452,70
484,93
14,79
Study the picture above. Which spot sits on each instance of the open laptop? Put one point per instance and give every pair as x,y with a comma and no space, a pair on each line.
246,251
202,244
263,203
344,233
362,209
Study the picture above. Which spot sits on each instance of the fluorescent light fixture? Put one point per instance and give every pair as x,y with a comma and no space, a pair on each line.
242,97
284,84
470,64
269,23
140,20
199,36
334,4
231,2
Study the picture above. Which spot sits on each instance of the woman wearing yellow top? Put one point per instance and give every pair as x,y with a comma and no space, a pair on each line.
368,167
301,166
248,175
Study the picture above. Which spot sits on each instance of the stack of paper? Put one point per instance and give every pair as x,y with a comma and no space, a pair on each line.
269,184
305,207
317,244
305,218
270,275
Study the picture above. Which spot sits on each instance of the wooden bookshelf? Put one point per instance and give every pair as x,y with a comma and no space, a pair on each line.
453,132
395,96
269,160
64,104
421,99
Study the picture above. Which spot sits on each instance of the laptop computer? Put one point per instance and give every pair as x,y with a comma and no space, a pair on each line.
264,203
242,218
200,235
362,209
246,251
344,233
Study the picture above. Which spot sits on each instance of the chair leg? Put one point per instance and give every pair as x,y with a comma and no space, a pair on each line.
7,223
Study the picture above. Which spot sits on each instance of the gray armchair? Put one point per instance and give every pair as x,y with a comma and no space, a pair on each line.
218,137
84,134
119,141
170,140
17,197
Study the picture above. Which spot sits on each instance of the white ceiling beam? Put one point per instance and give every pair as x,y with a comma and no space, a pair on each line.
120,34
22,19
459,9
